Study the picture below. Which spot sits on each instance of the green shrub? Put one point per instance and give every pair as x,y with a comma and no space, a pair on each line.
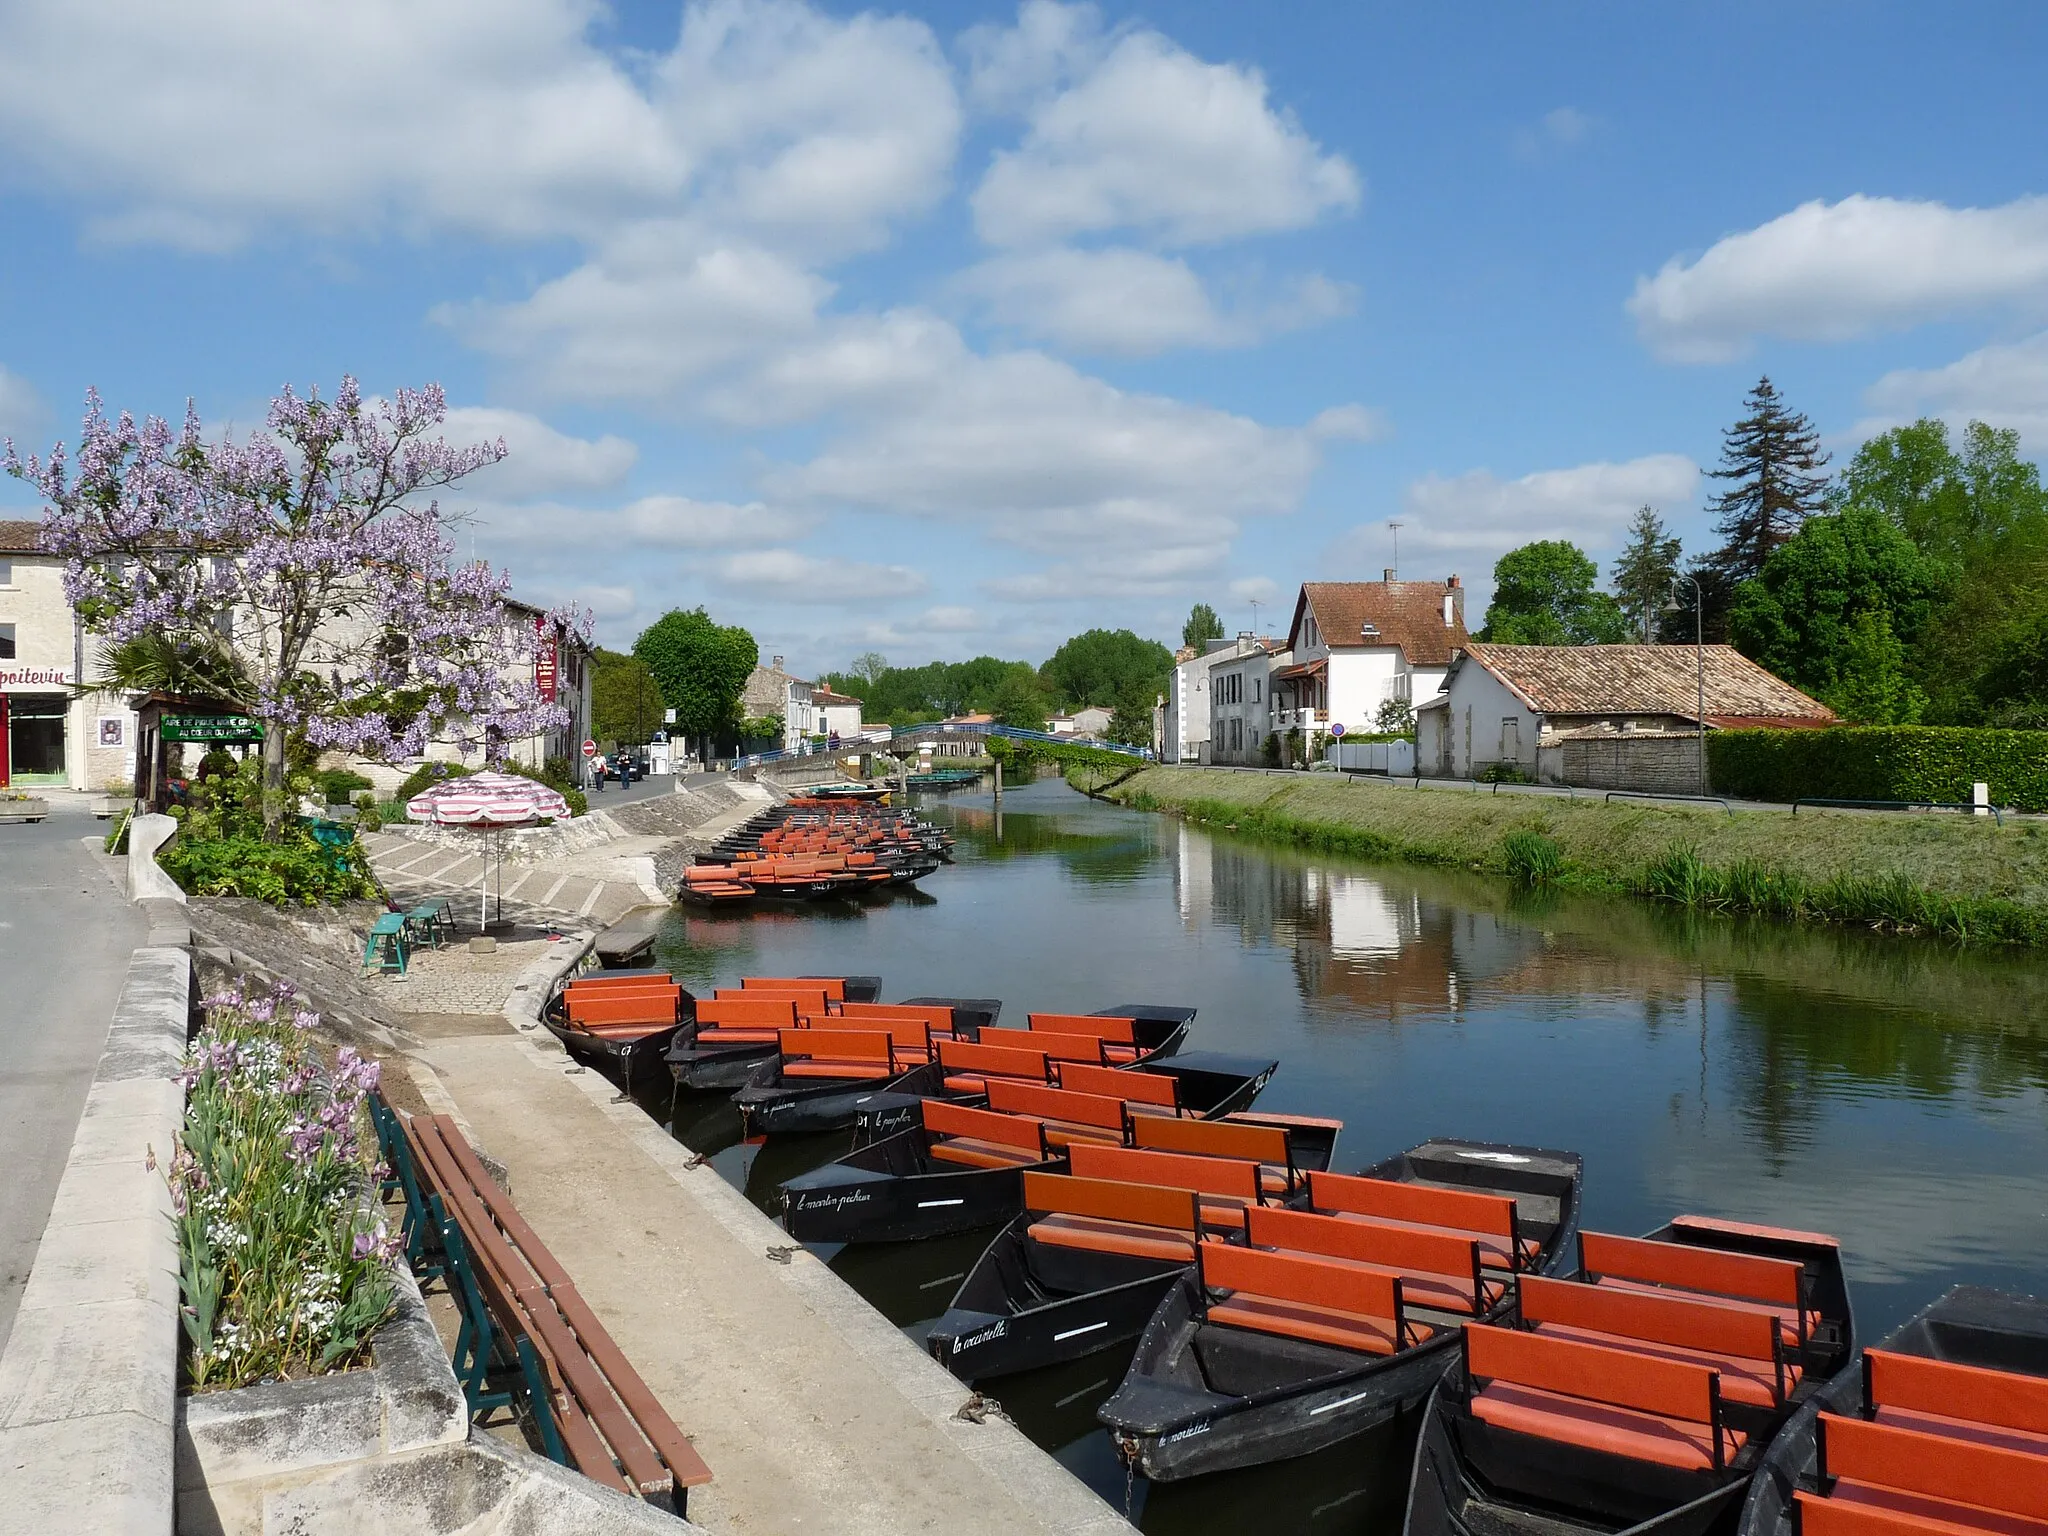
1901,762
338,785
1503,773
294,871
1678,875
1531,858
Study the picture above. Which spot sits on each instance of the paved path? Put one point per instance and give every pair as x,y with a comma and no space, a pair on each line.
590,889
66,934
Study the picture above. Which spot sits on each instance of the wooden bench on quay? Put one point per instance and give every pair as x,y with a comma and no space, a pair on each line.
522,1314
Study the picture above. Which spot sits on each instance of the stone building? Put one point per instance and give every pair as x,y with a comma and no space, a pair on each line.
52,736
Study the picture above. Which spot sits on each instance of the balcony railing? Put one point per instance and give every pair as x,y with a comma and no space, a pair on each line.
1303,720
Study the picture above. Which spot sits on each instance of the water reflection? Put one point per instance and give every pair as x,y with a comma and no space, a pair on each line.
1890,1092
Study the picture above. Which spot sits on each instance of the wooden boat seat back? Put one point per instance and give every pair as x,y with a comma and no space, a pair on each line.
1439,1270
837,1053
834,987
808,1000
1110,1117
2008,1399
1881,1512
1424,1205
609,1006
937,1021
1152,1089
1139,1221
1114,1031
1130,1240
982,1138
975,1152
1857,1454
969,1066
1225,1187
746,1013
1745,1347
1712,1226
1215,1138
1599,1397
1681,1266
1054,1047
598,980
1305,1297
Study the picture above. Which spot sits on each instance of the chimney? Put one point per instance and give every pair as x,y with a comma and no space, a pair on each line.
778,663
1454,603
1387,574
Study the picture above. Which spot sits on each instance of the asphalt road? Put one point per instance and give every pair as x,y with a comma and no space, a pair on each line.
65,937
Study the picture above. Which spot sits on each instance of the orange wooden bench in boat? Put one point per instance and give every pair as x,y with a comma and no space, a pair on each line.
1145,1092
598,980
1725,1228
1068,1116
1141,1221
1969,1401
744,1021
981,1138
1055,1047
1303,1297
1225,1186
833,987
1745,1347
1669,1412
1437,1269
936,1021
1491,1218
808,1000
615,1009
1119,1037
1776,1286
1886,1473
837,1053
1267,1145
969,1067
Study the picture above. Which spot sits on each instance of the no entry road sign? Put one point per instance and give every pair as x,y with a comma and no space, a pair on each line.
590,749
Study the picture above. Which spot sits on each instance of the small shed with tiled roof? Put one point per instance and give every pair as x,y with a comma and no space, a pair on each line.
1527,705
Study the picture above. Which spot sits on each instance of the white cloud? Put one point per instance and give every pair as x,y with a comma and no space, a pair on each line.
605,602
951,618
679,521
1133,573
22,410
1255,589
818,579
1134,303
1831,272
1466,522
1147,137
1008,68
499,117
1557,130
1350,424
540,460
2005,385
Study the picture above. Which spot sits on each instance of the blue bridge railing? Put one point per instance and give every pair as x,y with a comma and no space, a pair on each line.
935,728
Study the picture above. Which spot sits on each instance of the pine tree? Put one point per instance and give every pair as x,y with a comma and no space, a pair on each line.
1642,576
1773,459
1202,626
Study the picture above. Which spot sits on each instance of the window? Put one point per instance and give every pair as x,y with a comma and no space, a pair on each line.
1255,690
6,642
6,573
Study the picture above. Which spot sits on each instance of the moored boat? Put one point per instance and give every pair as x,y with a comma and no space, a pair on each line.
1333,1318
1642,1394
620,1015
1944,1428
739,1027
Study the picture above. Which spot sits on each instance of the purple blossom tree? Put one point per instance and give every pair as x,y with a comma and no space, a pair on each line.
306,549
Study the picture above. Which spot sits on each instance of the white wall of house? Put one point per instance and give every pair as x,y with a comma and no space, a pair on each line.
1091,720
843,718
1241,704
1485,723
57,738
1188,709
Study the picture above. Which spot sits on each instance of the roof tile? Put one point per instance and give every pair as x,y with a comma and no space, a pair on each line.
1646,680
1409,614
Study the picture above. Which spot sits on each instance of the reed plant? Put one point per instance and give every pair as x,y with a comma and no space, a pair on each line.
1532,858
284,1269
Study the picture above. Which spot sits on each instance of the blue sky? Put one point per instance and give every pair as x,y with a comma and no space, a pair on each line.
944,329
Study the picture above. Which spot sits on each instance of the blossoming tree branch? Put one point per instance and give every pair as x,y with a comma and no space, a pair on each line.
307,550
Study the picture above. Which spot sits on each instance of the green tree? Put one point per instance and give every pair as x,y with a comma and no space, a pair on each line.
870,667
1543,594
625,699
1202,626
1019,702
1103,665
1773,462
1835,608
1644,571
1395,715
701,667
1131,724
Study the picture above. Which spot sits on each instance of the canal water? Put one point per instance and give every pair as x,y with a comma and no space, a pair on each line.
1892,1092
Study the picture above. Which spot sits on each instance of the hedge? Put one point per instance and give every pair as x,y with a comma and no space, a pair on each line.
1895,762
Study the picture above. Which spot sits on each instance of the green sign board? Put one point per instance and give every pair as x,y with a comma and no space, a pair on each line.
210,728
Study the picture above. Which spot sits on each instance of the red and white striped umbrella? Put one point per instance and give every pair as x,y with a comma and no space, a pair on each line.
486,800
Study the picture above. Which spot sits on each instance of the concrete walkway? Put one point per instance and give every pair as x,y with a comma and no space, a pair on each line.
593,888
814,1413
66,934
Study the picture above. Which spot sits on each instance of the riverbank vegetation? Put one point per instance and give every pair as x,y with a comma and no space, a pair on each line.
1958,876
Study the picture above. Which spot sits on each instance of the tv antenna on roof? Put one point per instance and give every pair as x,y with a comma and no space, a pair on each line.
1397,549
1255,615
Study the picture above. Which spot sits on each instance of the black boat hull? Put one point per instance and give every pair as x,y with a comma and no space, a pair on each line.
1012,1314
1171,1418
844,1203
772,1106
715,1067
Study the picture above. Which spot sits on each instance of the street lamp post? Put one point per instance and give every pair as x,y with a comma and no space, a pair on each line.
1699,651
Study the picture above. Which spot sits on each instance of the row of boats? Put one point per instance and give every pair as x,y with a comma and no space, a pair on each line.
813,847
1701,1378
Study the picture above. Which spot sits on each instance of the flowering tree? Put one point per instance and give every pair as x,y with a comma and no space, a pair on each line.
307,550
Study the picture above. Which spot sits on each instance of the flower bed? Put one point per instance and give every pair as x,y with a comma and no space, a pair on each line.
284,1267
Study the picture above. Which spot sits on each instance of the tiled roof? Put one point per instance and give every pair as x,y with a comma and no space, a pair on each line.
827,697
1646,680
21,538
1409,614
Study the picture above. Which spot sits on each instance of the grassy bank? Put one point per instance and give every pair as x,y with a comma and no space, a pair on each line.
1957,876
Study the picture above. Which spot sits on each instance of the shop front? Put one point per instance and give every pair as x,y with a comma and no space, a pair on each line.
32,738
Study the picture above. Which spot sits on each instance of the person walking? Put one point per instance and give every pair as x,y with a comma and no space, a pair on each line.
597,769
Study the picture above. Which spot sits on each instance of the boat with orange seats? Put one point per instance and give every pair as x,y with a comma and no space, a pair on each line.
961,1167
1943,1431
1643,1393
738,1027
1322,1318
619,1016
